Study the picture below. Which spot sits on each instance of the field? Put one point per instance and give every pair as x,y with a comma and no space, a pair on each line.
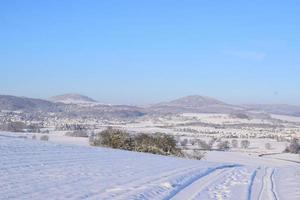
33,169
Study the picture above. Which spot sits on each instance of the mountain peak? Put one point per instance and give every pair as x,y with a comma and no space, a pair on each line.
70,98
196,101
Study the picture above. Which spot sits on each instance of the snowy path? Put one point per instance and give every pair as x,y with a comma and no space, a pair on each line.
34,170
226,183
268,190
201,184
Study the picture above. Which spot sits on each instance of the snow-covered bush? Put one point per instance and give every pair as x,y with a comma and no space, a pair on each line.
195,154
294,146
234,143
204,145
268,146
113,138
184,142
77,133
158,143
44,138
193,141
245,144
223,145
13,126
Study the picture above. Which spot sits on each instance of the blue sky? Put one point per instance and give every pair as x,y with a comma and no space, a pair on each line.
138,51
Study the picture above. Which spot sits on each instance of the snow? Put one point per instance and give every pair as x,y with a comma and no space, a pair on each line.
33,169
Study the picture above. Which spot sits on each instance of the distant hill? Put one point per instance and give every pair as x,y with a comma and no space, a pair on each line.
72,98
194,103
14,103
281,109
72,109
75,105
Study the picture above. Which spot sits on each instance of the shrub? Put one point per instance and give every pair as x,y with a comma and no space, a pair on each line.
212,142
234,143
268,146
113,138
223,146
77,133
294,146
203,145
196,154
14,126
184,142
192,141
33,137
158,143
44,138
245,144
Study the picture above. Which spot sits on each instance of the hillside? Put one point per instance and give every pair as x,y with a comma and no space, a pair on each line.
37,170
72,98
13,103
195,104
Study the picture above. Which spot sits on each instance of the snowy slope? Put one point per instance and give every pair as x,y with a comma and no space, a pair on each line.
73,98
32,169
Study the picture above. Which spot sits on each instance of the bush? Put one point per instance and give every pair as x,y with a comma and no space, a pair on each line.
157,143
14,126
113,138
44,138
294,146
212,142
184,142
203,145
268,146
77,133
33,137
234,143
196,154
245,144
192,141
223,146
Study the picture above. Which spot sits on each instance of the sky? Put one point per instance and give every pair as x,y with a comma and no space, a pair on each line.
140,52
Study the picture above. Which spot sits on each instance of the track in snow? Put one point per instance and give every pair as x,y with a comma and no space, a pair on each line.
268,188
201,184
227,183
237,182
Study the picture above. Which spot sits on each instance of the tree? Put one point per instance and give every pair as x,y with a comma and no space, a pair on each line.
245,144
203,145
184,142
294,146
234,143
223,146
44,138
268,146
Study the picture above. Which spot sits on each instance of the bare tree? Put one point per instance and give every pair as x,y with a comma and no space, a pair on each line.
245,144
234,143
268,146
223,145
294,146
184,142
44,138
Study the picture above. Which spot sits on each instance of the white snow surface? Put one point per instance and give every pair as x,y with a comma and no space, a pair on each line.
32,169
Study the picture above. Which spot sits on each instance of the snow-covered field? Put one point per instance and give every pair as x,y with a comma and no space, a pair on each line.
33,169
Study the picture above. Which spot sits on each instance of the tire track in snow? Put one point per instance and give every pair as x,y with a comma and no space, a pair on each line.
250,188
273,185
130,188
192,189
268,187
